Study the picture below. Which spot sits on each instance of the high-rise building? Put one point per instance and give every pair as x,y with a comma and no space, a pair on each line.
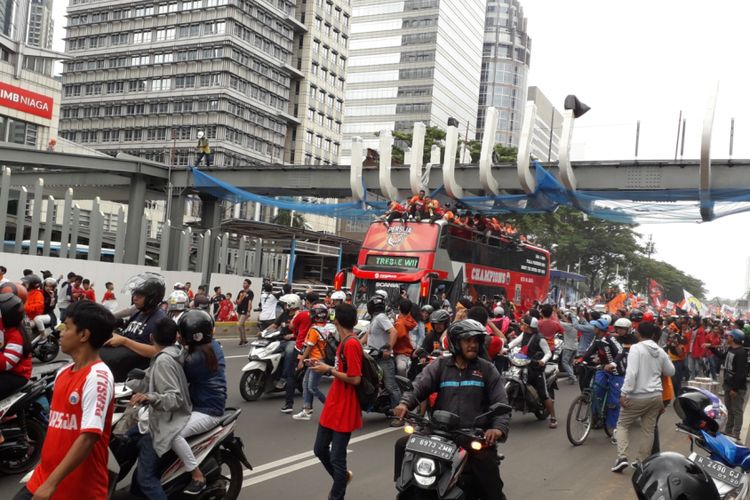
545,142
147,76
412,61
321,55
29,95
40,26
505,64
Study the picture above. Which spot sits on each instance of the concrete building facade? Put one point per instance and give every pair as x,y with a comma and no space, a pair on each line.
545,143
322,56
146,76
29,95
506,56
412,61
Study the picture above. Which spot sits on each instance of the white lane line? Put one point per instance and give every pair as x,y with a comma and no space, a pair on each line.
236,356
301,465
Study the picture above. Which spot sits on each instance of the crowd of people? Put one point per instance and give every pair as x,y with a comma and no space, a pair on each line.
643,360
463,222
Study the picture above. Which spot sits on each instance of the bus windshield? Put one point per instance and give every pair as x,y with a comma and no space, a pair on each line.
367,288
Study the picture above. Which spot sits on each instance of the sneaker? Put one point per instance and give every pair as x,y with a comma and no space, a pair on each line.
620,464
634,464
280,384
303,415
349,476
553,423
287,408
195,487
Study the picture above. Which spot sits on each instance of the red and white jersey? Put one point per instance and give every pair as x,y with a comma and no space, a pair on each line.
82,401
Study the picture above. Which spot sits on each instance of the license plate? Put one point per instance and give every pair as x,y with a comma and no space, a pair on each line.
719,471
429,446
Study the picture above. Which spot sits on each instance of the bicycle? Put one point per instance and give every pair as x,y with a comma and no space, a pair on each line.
581,415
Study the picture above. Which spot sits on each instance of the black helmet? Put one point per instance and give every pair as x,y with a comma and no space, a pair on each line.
11,310
691,407
671,476
319,313
440,316
464,330
148,285
636,315
196,327
202,302
375,305
32,282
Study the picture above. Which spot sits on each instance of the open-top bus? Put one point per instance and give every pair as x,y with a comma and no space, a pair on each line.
418,257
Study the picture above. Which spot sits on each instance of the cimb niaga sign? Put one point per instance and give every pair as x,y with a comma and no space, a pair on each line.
25,101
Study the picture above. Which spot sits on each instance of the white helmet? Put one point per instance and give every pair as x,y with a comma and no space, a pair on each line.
338,295
382,293
607,318
177,301
200,134
50,282
178,286
498,312
623,323
291,300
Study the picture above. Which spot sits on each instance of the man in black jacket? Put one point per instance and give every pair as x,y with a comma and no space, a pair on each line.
467,386
735,385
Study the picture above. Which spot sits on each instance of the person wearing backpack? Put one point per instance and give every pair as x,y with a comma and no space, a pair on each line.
341,412
315,352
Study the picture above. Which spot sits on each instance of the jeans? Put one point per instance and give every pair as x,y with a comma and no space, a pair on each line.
648,410
713,365
290,371
198,423
310,388
330,448
147,476
602,381
566,357
208,156
679,370
388,365
735,407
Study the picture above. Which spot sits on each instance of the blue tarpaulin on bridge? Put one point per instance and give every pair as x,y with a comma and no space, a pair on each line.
624,206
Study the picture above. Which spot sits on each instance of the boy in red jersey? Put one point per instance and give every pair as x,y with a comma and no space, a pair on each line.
74,456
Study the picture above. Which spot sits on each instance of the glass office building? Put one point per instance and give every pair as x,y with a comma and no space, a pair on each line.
506,56
412,61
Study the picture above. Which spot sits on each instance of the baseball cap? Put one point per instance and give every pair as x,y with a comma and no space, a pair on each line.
737,335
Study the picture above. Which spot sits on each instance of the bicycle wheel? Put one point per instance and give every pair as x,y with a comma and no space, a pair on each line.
578,425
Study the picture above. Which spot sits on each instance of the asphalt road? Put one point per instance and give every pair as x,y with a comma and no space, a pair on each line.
540,462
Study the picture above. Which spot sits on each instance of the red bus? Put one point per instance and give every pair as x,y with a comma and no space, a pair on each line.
415,258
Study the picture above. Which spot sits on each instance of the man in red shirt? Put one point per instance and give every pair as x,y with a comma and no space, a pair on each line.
299,326
341,412
74,457
695,347
88,291
549,327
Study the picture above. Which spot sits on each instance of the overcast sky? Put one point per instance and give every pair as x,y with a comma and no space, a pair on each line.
647,60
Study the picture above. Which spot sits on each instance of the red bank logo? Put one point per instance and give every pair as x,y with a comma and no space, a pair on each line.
25,101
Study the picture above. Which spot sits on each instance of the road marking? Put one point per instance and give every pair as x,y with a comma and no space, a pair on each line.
296,458
236,356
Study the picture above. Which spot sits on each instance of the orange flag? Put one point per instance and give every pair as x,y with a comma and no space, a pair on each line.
617,303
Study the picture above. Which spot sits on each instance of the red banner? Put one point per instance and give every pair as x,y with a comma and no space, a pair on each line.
482,275
656,294
25,101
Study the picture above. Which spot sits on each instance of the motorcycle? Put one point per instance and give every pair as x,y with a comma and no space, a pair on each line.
436,455
23,422
522,396
45,346
265,367
219,453
727,463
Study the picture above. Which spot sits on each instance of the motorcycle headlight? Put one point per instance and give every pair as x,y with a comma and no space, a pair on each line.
425,467
424,480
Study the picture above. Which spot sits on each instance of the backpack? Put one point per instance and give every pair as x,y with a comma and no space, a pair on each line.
368,388
331,344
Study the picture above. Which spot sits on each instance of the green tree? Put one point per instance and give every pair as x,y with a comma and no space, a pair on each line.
402,140
284,218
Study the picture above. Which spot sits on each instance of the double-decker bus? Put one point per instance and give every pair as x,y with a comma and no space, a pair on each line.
415,258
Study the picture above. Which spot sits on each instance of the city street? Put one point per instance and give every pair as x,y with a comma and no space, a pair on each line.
539,463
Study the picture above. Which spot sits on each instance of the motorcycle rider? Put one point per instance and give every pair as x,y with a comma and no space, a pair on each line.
382,335
34,306
608,351
298,328
537,349
204,367
133,348
467,386
15,348
177,303
439,320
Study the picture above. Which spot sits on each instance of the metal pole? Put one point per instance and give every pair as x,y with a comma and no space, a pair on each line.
677,142
731,138
637,136
682,148
551,132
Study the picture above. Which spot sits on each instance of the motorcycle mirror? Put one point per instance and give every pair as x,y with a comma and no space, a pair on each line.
136,374
495,410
